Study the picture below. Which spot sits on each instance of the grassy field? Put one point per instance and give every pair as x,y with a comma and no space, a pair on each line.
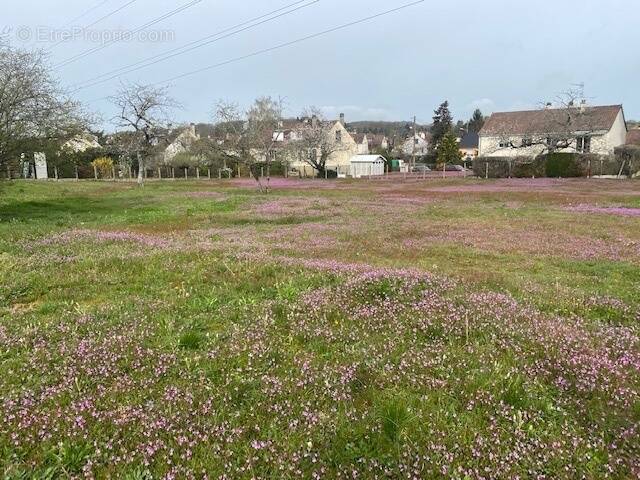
457,329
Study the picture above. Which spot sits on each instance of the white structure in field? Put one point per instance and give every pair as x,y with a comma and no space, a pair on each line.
40,159
581,128
367,166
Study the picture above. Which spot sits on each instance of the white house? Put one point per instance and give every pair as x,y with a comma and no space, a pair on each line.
367,166
418,143
363,143
581,128
82,143
344,147
181,143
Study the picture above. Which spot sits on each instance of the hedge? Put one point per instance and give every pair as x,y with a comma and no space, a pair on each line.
565,165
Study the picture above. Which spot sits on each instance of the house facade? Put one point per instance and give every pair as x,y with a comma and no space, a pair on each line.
362,140
417,143
342,144
469,145
181,143
574,129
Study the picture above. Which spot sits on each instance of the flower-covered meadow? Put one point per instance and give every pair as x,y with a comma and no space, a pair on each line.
450,329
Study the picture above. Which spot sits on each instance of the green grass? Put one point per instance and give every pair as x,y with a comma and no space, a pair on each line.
155,331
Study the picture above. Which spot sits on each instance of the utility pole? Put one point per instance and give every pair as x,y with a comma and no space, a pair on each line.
415,137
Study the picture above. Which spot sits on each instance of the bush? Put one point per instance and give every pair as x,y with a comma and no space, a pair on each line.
506,167
558,165
104,166
562,165
630,155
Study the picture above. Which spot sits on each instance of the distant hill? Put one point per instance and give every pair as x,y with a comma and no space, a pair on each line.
390,129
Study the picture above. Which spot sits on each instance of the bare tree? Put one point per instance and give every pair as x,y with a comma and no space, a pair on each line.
315,141
248,137
559,126
35,112
143,110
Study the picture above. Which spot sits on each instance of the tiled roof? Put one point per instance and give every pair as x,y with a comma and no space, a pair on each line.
553,120
633,137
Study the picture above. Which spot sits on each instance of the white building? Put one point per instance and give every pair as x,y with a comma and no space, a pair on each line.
417,143
82,143
367,166
581,128
337,137
181,143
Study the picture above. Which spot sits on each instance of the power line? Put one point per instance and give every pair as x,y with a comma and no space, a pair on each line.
282,45
86,12
137,30
95,22
292,42
208,40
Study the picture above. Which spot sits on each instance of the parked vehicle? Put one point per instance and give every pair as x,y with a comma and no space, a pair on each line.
420,168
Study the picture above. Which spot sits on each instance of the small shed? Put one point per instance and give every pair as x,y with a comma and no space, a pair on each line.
367,166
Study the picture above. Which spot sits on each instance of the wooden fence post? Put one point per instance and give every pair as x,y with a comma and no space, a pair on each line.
95,172
77,175
55,172
486,167
209,173
197,173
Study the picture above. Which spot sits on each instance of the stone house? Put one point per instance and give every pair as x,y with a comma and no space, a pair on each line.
362,140
180,143
343,145
417,143
573,129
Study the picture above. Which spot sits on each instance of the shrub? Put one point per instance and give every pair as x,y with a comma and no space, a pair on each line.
630,155
104,166
562,165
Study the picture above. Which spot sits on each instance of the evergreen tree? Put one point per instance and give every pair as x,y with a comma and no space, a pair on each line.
442,123
477,121
449,151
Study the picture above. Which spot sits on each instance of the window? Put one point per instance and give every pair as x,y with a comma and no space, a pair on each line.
527,142
338,136
505,143
583,144
416,141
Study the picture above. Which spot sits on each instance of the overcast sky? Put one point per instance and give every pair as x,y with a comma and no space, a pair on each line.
494,54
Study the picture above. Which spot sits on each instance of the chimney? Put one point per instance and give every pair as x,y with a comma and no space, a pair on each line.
314,121
548,106
342,120
583,105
